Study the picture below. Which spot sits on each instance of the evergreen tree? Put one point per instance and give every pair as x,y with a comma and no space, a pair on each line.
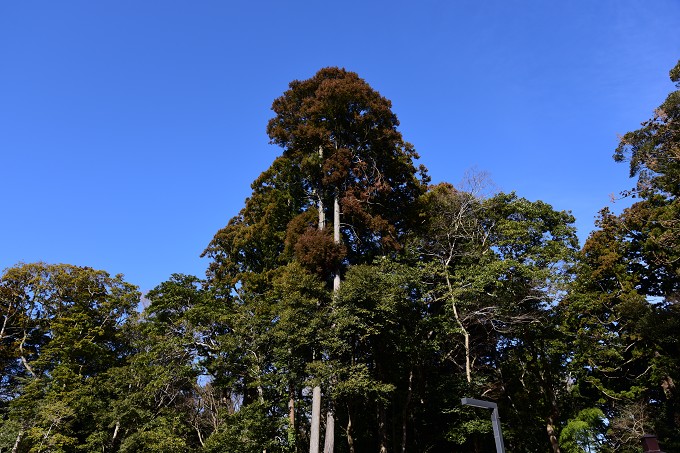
623,308
341,152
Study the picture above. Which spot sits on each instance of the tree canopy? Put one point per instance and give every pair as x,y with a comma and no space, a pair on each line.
446,292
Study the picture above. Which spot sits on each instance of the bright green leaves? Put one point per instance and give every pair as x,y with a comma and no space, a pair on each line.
377,326
494,270
582,432
160,435
247,431
67,339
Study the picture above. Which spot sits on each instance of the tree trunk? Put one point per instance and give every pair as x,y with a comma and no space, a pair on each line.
316,395
350,438
336,238
115,432
554,413
329,443
292,437
316,420
404,416
466,334
382,428
550,428
20,434
548,389
4,324
23,359
320,206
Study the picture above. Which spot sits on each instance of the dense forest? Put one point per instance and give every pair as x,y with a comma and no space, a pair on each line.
351,303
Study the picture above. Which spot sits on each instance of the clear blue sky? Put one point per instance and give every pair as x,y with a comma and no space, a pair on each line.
130,131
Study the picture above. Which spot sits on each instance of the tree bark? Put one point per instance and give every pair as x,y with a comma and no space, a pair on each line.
466,334
550,428
382,428
336,238
548,389
292,437
23,359
115,432
554,413
320,206
20,434
316,395
350,438
316,420
329,443
404,417
4,324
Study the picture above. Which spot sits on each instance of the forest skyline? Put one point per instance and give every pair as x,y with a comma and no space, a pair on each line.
350,286
130,133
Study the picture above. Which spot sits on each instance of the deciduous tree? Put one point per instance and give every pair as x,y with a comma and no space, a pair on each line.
67,339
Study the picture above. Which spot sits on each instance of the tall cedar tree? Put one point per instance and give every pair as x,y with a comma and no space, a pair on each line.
624,306
340,143
364,160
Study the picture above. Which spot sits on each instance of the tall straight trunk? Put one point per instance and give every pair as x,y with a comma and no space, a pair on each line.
548,388
320,206
336,238
316,393
316,419
382,427
292,435
554,413
329,445
404,416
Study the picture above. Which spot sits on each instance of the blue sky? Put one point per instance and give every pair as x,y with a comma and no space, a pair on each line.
130,131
